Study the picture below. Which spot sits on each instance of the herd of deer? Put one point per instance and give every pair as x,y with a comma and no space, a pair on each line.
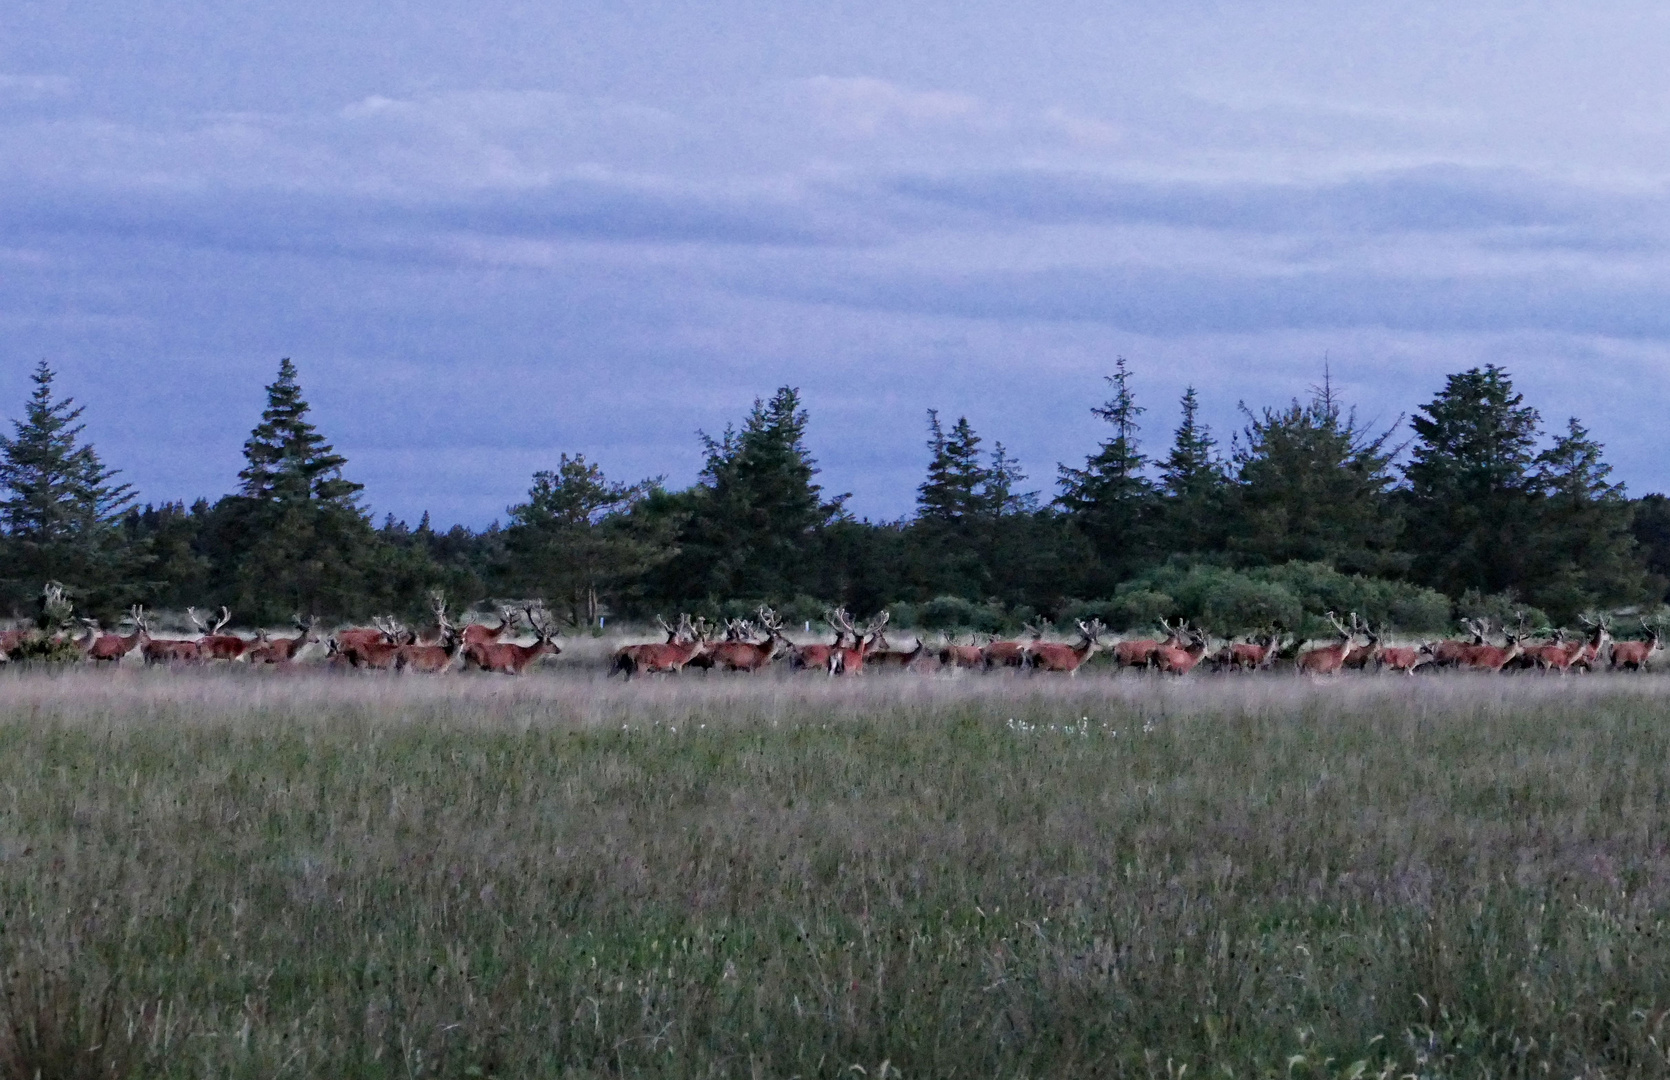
386,645
750,645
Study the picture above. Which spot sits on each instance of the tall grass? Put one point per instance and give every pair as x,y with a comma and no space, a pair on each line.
221,873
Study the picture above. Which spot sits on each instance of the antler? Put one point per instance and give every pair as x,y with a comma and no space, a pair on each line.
1343,632
874,625
196,620
225,617
769,620
841,620
541,626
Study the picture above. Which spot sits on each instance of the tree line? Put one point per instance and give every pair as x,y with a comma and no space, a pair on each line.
1482,512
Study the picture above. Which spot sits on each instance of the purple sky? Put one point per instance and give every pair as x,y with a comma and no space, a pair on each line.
493,232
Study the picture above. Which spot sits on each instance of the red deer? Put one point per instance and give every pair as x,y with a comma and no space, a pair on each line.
1254,655
1329,659
1012,653
479,634
376,649
112,647
1141,652
898,658
849,660
271,650
511,659
818,656
1363,655
1489,658
1404,658
1636,655
214,645
961,656
738,653
432,658
169,651
1585,654
682,645
1058,657
1449,653
1181,659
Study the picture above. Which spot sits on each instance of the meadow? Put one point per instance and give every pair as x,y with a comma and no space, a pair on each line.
242,873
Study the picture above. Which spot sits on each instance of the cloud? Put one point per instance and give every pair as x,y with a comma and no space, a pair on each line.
861,106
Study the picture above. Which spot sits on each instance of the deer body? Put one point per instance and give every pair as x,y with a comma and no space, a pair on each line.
1057,657
112,647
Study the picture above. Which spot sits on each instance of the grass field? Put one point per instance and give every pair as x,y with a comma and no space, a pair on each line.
227,874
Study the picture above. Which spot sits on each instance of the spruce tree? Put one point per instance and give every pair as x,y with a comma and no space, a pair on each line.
1587,555
1193,484
295,537
1312,484
955,487
1473,485
1111,499
60,508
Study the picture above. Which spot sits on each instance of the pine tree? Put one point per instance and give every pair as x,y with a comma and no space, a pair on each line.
1003,480
1312,484
287,460
60,509
1194,485
1110,498
1473,485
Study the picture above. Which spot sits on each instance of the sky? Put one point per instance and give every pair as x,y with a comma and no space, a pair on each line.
491,233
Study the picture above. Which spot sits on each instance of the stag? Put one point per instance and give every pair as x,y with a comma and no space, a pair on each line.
435,658
818,656
1487,657
849,660
738,652
377,649
1179,659
112,647
480,634
1014,654
1329,659
961,656
887,657
215,645
512,659
1255,654
1636,655
271,650
1143,652
1058,657
683,644
1364,655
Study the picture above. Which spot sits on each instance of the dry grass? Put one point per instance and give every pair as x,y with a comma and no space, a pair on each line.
248,873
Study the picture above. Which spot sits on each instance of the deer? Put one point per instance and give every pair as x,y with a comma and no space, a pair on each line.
1585,654
682,646
1636,655
215,645
271,650
1253,655
1141,652
818,656
1012,653
170,651
511,659
1364,655
1180,659
376,649
961,656
849,660
1448,653
1329,659
1055,656
1487,657
1404,658
432,658
899,658
738,653
112,647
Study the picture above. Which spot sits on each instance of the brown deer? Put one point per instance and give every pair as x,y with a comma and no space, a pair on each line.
1487,657
1180,659
112,647
1013,654
1448,653
1404,658
682,645
170,651
887,657
1587,653
818,656
849,660
1058,657
376,649
1636,655
215,645
271,650
480,634
1329,659
432,658
512,659
1141,652
961,656
1363,655
739,653
1255,654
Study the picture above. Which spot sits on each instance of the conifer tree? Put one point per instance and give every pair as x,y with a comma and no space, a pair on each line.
287,460
955,489
1313,484
60,507
1111,498
1587,552
1194,484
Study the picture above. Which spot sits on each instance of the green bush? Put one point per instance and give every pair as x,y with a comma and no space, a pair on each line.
41,647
